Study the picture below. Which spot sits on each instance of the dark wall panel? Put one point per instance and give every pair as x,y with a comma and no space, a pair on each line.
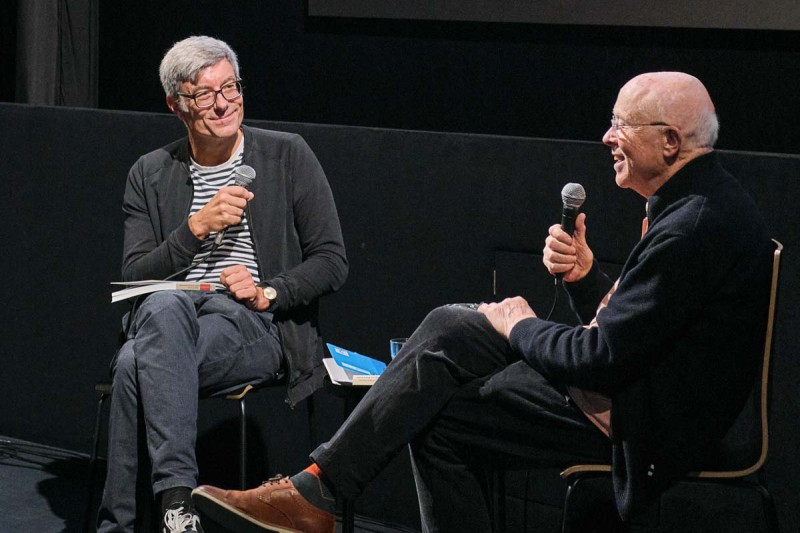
64,172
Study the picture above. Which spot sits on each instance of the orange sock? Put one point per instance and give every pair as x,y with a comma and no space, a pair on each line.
314,470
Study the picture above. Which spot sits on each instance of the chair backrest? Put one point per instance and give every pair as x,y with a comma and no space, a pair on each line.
762,387
761,399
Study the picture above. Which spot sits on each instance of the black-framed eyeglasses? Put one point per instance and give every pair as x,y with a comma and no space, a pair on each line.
208,97
616,125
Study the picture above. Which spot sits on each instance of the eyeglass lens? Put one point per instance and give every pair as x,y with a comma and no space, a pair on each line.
230,92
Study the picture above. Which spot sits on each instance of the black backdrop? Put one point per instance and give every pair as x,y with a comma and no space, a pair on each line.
426,219
534,80
541,80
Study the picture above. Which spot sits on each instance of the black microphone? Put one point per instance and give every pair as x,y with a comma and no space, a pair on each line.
572,197
243,175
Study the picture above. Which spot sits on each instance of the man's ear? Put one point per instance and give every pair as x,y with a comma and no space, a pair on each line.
175,107
672,142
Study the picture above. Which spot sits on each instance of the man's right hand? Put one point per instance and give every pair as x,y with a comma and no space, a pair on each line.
568,255
223,210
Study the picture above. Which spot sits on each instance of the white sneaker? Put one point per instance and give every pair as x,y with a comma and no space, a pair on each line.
178,520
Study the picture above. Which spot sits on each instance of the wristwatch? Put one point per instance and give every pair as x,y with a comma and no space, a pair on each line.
269,293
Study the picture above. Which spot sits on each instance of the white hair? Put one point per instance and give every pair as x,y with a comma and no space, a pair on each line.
707,130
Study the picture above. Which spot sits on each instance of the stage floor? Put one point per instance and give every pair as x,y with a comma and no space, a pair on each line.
44,489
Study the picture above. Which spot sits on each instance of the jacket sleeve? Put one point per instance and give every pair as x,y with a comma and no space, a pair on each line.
146,255
324,267
656,299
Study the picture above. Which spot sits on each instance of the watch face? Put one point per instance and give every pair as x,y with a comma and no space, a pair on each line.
270,293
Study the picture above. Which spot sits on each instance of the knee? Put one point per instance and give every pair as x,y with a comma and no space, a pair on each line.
446,317
164,311
169,301
123,370
450,323
463,337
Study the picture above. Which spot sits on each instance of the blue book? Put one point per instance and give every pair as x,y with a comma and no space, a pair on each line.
355,362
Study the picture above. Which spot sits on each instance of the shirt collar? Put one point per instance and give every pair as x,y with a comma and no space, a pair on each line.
681,184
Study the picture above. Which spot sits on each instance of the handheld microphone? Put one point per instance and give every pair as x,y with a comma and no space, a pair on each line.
572,197
243,176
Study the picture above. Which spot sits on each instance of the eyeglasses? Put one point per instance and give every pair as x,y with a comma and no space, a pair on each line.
207,98
615,124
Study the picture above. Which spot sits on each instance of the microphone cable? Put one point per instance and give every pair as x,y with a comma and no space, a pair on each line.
555,299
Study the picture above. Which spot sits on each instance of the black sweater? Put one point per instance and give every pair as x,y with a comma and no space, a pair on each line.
295,227
677,347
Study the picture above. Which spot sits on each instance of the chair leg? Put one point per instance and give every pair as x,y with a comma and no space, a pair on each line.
348,516
347,505
88,517
767,502
312,436
770,515
243,444
567,500
497,494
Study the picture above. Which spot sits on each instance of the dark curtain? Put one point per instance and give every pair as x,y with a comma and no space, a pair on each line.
57,56
8,47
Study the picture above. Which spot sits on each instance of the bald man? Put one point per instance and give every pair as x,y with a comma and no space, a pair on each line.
651,382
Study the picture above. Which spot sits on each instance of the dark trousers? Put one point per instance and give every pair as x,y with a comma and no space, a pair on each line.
465,403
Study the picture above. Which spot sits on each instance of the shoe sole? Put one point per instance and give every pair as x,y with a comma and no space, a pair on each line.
231,517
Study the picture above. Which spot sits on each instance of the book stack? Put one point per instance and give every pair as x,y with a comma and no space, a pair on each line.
346,367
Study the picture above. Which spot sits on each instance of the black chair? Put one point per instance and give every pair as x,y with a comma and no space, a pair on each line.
732,472
104,392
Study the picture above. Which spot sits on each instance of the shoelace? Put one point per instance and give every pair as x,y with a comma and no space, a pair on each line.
278,478
176,521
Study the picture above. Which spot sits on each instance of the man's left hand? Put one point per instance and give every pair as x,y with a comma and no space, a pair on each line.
505,315
240,282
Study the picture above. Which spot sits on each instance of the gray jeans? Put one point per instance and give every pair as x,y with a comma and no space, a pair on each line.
180,346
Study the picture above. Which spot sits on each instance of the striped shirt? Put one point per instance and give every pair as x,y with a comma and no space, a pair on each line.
237,244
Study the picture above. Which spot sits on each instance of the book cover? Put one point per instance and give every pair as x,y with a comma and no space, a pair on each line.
355,362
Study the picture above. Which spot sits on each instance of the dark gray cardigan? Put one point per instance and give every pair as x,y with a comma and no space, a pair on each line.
295,230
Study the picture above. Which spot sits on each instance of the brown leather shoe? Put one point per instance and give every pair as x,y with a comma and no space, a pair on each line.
274,506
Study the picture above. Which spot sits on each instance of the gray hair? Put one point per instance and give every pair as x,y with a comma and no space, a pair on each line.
707,130
184,61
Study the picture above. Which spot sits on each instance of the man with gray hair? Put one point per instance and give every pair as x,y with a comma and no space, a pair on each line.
274,243
650,382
